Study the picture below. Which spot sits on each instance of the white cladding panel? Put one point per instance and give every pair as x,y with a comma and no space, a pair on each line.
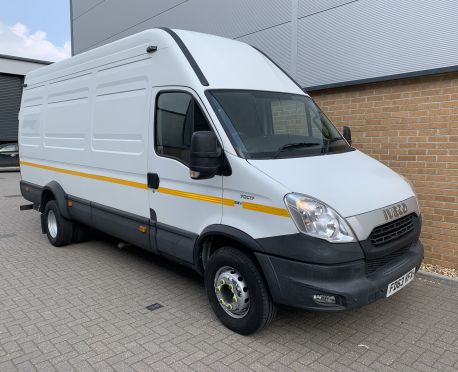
320,42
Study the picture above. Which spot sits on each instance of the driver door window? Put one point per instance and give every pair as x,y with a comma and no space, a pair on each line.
178,116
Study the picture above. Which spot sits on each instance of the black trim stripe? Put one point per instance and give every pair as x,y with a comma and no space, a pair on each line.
188,55
270,59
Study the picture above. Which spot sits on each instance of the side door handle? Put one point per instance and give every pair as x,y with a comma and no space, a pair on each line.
153,180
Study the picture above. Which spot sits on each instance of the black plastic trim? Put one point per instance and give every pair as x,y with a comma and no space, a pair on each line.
60,196
123,225
153,180
225,231
176,230
120,213
294,283
188,55
175,243
80,210
31,192
374,252
304,248
79,200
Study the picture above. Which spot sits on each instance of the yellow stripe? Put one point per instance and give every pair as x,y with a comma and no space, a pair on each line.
88,175
201,197
184,194
265,209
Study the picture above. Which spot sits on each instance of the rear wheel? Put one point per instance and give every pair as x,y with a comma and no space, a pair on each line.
237,291
58,229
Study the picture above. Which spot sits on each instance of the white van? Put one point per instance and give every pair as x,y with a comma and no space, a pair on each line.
201,149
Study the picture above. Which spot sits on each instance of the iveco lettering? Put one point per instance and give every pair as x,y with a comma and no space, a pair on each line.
202,150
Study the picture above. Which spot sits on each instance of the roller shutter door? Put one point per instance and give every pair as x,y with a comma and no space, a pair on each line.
10,102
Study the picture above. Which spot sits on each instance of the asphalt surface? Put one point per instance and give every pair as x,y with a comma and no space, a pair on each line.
83,307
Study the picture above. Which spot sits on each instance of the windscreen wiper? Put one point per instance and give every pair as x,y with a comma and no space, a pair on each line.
294,145
328,142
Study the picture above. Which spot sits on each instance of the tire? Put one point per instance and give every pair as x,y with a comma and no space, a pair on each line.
230,265
58,229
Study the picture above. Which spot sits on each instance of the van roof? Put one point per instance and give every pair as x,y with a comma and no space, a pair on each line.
204,60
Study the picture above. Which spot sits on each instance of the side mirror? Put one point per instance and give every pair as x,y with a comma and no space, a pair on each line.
206,157
347,134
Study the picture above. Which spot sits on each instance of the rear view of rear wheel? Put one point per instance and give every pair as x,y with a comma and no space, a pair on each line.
58,229
237,292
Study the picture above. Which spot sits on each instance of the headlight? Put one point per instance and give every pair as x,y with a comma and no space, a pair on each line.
317,219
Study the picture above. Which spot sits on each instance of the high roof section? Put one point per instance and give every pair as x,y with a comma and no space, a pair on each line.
230,64
182,58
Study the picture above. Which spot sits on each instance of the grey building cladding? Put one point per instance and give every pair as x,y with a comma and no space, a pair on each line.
321,43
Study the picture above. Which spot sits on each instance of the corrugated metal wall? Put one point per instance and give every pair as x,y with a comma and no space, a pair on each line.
320,42
10,102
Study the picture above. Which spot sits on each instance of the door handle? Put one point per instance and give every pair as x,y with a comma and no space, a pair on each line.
153,180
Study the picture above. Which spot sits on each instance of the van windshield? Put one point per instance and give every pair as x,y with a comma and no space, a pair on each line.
268,125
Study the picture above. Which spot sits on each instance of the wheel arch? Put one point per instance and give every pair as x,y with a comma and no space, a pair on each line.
54,191
217,236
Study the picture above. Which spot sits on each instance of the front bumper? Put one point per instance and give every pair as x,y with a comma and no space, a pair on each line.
294,283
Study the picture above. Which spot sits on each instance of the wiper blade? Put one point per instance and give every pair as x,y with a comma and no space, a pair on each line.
294,145
325,149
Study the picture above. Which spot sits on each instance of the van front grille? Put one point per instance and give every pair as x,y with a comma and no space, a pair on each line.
377,263
392,230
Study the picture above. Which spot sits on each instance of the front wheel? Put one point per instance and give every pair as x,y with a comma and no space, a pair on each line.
237,291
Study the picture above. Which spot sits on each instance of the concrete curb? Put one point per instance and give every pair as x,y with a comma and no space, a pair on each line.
438,276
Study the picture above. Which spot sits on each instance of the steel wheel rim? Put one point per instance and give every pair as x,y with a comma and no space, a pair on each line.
232,292
52,224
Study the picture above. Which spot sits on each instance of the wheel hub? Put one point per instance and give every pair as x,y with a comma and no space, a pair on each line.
232,292
52,224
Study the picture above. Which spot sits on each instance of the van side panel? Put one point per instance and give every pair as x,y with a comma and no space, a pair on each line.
30,121
89,132
66,122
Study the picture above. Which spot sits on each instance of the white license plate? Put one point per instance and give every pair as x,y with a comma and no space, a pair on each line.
400,283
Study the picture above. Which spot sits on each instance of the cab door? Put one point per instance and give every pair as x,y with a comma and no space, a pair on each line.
181,206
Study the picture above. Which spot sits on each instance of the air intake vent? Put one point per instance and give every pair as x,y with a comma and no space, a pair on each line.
375,264
392,230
